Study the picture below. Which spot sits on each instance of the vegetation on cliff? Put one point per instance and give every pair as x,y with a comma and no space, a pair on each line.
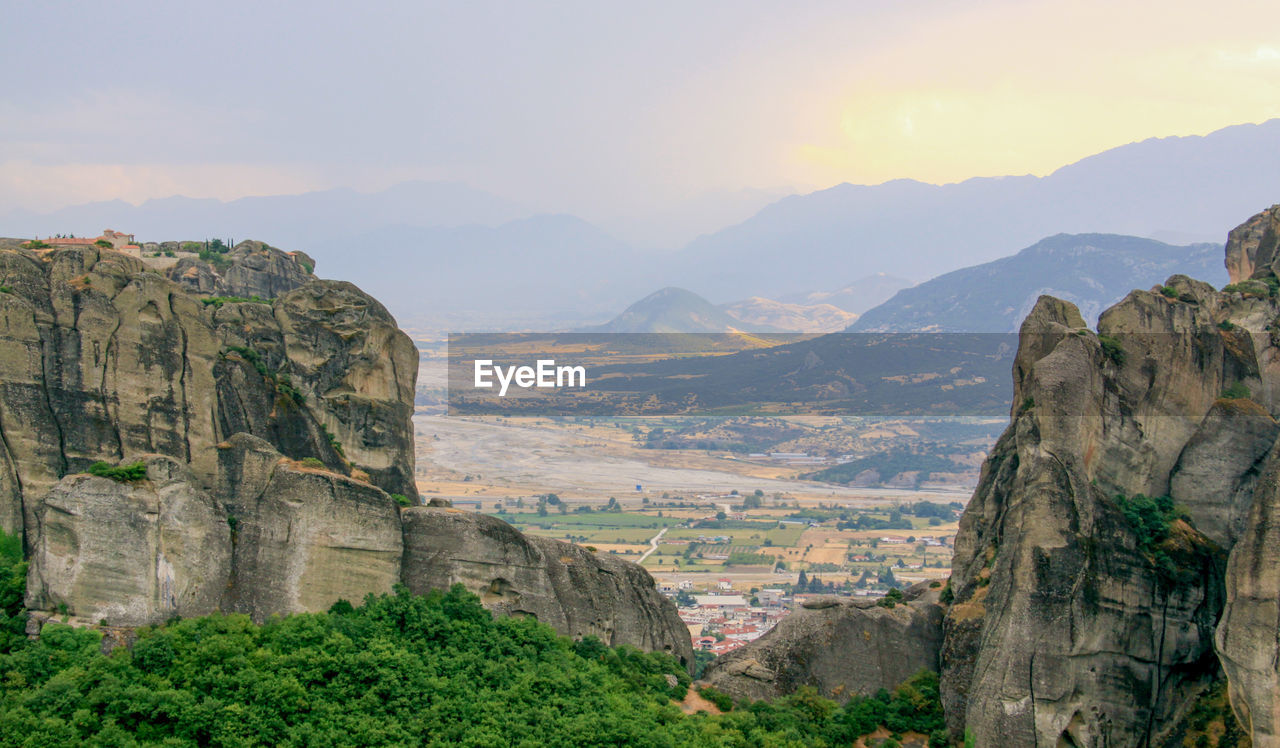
402,668
13,585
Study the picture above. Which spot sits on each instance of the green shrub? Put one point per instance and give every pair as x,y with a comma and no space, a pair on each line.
217,259
1226,325
333,441
13,588
35,244
1112,349
947,596
311,462
401,669
1237,391
1169,292
1151,520
121,474
104,244
401,499
722,700
891,598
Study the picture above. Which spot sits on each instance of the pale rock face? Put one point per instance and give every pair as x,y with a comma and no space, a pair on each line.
131,554
263,271
1063,630
1252,246
253,269
576,592
845,649
102,357
1248,639
345,350
304,538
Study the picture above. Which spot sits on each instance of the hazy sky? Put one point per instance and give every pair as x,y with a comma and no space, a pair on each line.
599,108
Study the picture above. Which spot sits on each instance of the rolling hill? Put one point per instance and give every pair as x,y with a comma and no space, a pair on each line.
674,310
1092,271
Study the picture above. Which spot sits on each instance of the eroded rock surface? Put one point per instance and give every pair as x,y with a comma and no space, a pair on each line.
130,554
852,647
101,357
577,592
250,269
303,537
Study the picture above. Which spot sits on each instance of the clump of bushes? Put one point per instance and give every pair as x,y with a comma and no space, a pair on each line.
401,499
722,700
1152,520
282,381
35,244
1112,349
891,598
121,474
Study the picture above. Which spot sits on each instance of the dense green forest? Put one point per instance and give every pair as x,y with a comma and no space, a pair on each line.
398,670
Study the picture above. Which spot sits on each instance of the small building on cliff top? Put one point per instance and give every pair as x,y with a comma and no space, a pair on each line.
120,242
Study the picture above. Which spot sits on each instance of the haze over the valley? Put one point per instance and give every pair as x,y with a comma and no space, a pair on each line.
496,166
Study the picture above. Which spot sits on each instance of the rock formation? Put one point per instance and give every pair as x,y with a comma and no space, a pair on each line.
1120,550
250,269
1075,621
272,411
878,647
275,536
102,357
577,592
303,537
130,553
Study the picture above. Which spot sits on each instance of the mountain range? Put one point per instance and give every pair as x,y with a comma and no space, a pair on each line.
1092,271
460,256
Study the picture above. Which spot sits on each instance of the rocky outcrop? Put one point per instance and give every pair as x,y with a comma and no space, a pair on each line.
840,647
101,357
1248,640
276,536
1069,627
1252,247
273,409
251,269
303,537
130,554
577,592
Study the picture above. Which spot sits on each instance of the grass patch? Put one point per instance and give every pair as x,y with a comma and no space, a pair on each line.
122,473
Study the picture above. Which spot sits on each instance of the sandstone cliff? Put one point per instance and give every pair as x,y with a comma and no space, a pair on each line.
1122,548
101,357
272,410
275,536
1079,616
577,592
839,646
250,269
